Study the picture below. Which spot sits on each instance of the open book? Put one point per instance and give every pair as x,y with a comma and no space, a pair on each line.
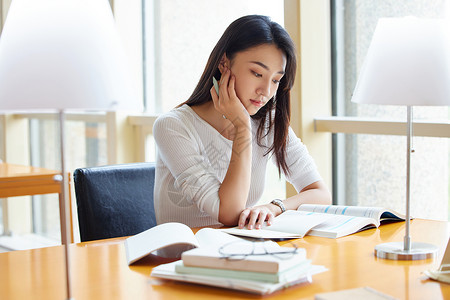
174,239
331,221
171,240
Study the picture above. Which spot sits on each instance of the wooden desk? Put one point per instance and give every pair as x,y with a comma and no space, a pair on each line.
100,271
18,180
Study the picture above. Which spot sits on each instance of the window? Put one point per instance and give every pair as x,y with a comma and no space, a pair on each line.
371,168
179,36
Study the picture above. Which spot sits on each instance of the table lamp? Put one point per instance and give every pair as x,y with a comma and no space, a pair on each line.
408,63
59,55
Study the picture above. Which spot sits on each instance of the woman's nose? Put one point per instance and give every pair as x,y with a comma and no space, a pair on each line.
264,89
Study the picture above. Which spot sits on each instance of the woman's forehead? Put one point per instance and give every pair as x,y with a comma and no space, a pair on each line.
267,56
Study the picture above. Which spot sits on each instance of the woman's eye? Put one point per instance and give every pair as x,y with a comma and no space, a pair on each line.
276,81
257,74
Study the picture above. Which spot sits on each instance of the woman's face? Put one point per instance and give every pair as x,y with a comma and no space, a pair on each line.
258,72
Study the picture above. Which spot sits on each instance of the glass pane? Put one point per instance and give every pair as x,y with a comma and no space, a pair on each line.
2,138
375,166
376,176
85,147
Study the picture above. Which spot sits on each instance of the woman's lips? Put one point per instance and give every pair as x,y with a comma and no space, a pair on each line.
257,103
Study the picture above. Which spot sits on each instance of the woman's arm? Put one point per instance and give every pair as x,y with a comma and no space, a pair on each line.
235,187
303,176
254,217
316,193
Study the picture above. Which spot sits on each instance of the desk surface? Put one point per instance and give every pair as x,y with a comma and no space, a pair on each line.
18,180
99,270
8,170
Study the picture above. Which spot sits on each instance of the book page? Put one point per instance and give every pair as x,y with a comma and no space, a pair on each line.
341,225
357,211
290,224
169,239
445,263
296,222
261,233
214,238
443,273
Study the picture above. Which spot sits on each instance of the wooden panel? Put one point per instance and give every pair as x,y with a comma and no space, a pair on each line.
358,125
29,190
19,180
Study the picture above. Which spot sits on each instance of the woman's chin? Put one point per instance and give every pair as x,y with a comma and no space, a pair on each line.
252,110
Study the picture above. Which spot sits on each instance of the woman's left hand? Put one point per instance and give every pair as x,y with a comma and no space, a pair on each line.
254,217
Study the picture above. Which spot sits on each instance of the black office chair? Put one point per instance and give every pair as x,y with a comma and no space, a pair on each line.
115,200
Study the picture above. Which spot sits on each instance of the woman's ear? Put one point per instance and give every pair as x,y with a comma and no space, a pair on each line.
224,63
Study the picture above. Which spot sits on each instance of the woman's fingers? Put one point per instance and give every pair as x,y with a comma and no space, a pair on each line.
243,218
223,85
270,217
221,98
231,88
260,219
214,97
255,217
254,214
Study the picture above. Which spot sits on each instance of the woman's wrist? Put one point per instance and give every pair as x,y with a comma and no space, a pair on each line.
242,126
277,207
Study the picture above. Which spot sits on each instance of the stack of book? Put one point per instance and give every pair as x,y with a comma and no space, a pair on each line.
265,268
257,273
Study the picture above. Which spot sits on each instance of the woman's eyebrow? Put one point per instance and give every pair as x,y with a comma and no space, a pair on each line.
265,67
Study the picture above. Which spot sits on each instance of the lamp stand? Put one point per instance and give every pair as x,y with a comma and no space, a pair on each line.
64,208
407,250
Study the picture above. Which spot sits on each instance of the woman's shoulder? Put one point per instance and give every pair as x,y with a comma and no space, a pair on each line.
176,115
179,119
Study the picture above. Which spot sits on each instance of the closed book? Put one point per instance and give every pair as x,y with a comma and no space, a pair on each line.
208,258
285,276
167,271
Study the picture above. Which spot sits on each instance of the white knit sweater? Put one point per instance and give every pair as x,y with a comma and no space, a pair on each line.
193,158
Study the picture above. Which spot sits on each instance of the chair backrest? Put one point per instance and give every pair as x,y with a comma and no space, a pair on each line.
115,200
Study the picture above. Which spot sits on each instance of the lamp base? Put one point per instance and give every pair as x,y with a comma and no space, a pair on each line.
396,251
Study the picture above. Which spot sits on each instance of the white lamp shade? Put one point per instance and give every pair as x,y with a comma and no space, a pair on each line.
63,54
408,63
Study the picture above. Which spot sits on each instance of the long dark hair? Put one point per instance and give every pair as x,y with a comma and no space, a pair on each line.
244,33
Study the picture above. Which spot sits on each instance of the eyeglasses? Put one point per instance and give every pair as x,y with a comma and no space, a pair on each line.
239,250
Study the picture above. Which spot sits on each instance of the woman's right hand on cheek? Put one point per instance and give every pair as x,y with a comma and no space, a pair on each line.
227,102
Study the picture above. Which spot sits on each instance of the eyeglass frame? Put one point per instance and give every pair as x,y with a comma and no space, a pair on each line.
232,256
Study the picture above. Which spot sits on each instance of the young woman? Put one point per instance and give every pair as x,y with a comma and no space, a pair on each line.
213,149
